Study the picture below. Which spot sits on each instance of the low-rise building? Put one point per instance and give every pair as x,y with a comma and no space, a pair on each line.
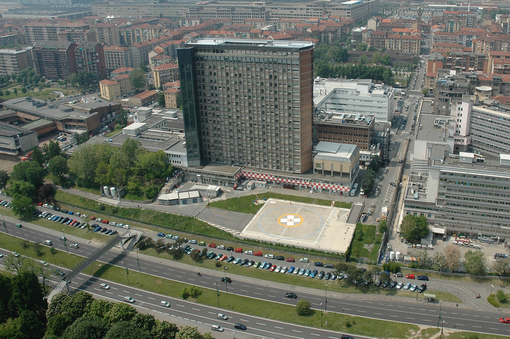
355,97
15,140
461,194
165,73
82,115
172,97
110,89
143,99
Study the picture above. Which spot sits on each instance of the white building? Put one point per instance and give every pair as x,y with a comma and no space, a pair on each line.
487,131
342,96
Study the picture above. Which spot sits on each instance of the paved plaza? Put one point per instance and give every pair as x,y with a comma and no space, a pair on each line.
303,225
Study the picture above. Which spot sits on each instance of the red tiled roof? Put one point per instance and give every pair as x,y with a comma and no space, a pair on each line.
107,82
123,69
165,66
145,94
172,90
499,53
122,77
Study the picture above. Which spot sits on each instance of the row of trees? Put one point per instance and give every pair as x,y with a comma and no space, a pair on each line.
26,182
451,260
367,184
129,166
24,313
350,71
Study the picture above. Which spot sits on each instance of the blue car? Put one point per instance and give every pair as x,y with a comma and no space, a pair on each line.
54,218
98,228
70,213
161,234
268,266
291,270
263,265
314,273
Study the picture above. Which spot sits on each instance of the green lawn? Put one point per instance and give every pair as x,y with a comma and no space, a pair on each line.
493,300
365,243
264,309
245,204
45,94
260,308
26,248
471,335
191,228
333,286
113,133
147,216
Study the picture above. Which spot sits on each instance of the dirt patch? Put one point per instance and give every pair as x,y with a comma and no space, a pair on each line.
369,247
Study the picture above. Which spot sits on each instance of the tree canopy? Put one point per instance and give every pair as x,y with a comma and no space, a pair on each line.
137,79
475,262
414,228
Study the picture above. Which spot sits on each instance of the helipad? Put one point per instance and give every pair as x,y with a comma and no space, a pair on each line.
317,227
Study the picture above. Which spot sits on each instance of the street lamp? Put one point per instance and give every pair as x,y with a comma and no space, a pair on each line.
217,294
226,285
64,240
3,223
321,315
492,288
127,272
326,298
439,318
139,269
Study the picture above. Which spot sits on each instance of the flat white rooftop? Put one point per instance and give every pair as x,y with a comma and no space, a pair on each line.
253,42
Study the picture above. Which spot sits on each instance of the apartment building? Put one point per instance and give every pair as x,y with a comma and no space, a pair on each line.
355,97
499,62
240,12
410,44
107,34
172,97
492,42
47,30
130,35
248,103
109,89
12,38
467,62
117,57
449,89
377,40
89,57
465,194
13,61
165,73
54,59
444,38
140,51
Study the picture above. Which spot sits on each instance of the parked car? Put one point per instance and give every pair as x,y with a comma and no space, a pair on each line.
238,250
289,260
422,277
318,264
257,254
250,252
269,256
410,276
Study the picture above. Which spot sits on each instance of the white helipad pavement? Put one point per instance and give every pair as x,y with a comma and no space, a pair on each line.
303,225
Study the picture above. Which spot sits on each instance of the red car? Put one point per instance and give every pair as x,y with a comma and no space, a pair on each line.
272,268
92,218
105,221
238,250
39,204
290,260
257,254
213,245
504,320
410,276
223,258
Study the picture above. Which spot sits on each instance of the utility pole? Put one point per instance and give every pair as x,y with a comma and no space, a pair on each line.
3,223
64,240
326,298
217,294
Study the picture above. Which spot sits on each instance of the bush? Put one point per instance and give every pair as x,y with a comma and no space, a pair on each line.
190,291
501,296
383,226
303,308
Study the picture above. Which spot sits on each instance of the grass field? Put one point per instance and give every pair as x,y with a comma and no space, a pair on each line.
161,219
245,204
264,309
26,248
45,94
365,243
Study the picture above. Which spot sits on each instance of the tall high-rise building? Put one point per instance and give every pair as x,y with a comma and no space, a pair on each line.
54,59
248,103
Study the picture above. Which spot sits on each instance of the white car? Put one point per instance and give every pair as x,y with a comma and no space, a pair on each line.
217,328
47,242
1,255
125,226
269,256
278,269
222,316
165,303
284,269
44,263
248,252
16,254
106,287
74,246
129,300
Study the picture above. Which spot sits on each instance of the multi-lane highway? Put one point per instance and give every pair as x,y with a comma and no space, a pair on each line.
407,311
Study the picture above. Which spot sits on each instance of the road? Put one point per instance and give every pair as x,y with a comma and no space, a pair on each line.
392,308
